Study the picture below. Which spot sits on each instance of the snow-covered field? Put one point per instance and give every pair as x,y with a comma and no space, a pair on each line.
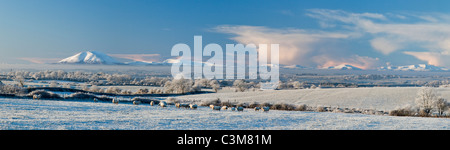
379,98
17,114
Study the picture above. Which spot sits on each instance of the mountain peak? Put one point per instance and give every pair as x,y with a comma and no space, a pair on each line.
418,67
89,57
343,67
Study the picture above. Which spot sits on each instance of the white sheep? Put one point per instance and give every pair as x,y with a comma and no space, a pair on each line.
265,109
178,105
115,101
216,108
136,102
193,106
163,104
257,108
37,96
152,103
211,106
240,108
185,105
224,107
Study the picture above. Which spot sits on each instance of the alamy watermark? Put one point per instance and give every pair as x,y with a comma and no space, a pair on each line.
224,65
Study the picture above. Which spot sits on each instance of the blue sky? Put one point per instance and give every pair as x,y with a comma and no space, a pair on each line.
315,33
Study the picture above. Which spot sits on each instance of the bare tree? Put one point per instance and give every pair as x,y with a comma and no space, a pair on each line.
426,99
441,105
240,85
214,85
21,80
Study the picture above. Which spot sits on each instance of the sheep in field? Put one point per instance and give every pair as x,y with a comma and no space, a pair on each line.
185,106
240,109
115,101
152,103
224,107
211,106
193,106
136,102
257,108
178,105
216,108
265,109
36,97
163,104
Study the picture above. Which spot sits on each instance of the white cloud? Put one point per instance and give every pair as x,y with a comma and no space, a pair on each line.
429,32
139,57
384,45
363,62
401,33
297,46
342,16
39,60
432,58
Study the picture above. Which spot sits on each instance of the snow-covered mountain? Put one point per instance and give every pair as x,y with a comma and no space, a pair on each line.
171,61
343,67
419,67
294,67
166,62
138,63
89,57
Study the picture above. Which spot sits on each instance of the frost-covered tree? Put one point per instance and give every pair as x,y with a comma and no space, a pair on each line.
67,85
94,88
297,85
240,85
126,92
197,87
441,105
113,90
142,91
426,100
202,82
282,85
181,86
53,84
20,80
214,84
10,89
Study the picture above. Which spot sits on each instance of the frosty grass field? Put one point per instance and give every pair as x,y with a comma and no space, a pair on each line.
377,98
18,114
28,114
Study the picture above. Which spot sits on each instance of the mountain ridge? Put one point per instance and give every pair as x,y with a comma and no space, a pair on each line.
89,57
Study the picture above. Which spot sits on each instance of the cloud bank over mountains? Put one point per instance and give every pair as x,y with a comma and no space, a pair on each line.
365,40
425,36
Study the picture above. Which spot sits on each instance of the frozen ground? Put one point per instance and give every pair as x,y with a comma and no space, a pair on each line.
379,98
19,114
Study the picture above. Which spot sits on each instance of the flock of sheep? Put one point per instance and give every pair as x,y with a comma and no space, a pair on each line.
239,108
194,106
180,105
